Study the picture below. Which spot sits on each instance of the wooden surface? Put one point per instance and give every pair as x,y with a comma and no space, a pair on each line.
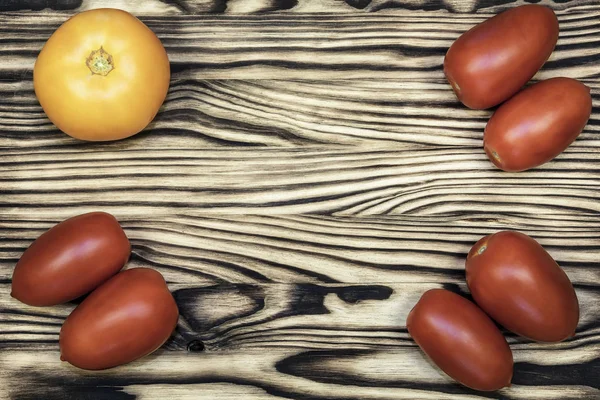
309,177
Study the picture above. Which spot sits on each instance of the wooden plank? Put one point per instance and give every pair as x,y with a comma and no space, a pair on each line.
402,46
321,107
228,317
127,180
292,373
264,6
290,341
274,113
199,249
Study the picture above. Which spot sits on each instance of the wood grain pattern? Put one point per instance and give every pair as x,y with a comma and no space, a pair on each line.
318,337
309,176
282,113
297,341
264,6
293,181
294,373
409,103
319,249
405,46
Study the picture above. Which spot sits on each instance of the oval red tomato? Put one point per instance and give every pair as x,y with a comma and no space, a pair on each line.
461,340
515,281
126,318
70,260
537,124
493,60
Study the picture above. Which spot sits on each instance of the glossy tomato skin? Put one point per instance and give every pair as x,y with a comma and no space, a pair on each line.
462,340
515,281
493,60
83,102
128,317
537,124
70,260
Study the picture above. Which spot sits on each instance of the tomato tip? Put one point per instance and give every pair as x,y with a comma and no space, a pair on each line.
494,157
478,248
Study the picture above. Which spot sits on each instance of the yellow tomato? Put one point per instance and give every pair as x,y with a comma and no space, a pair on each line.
102,75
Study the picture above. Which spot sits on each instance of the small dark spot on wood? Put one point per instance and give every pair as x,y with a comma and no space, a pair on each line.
286,4
196,346
219,7
360,4
354,294
308,300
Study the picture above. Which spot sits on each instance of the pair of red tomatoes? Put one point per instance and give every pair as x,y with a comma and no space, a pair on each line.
514,281
490,63
126,316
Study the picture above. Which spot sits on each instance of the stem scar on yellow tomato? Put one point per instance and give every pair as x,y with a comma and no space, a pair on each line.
100,62
102,75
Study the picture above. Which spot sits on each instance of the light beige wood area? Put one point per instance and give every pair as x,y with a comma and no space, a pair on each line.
309,176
